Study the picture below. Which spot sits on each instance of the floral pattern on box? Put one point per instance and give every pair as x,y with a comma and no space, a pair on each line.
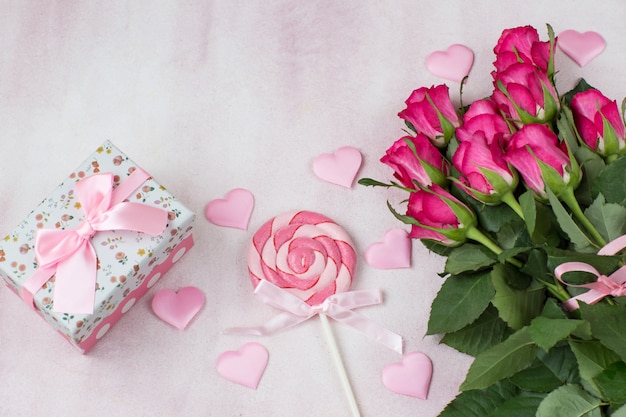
125,258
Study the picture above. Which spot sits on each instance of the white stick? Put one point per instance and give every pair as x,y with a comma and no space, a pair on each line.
343,376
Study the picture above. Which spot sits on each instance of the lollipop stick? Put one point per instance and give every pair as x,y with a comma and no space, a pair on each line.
343,376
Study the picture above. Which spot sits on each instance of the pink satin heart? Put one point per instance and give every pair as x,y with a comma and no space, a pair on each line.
245,366
232,211
338,168
179,308
394,251
410,377
581,47
452,64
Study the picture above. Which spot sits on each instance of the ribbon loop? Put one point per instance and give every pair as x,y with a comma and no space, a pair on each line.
338,306
613,285
69,255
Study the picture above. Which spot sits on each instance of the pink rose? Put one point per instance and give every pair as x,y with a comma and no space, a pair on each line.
436,214
598,122
521,44
526,94
415,159
430,111
483,116
483,172
542,161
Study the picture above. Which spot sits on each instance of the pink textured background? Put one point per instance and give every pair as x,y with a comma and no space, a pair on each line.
214,95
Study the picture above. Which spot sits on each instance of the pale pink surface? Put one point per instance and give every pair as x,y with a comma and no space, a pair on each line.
212,96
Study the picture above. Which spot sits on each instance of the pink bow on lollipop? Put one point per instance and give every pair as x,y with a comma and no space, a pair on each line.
614,285
338,306
69,253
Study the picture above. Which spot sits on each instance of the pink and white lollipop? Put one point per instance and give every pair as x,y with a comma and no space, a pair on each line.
303,263
304,253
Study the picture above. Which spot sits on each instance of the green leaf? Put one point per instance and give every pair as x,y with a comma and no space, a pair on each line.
410,126
578,238
552,310
583,331
547,332
565,125
592,165
593,358
480,403
512,235
569,401
621,412
490,218
483,333
437,247
547,230
460,301
516,307
523,405
467,258
537,265
604,264
608,218
513,252
608,324
549,371
612,182
501,361
529,208
612,382
368,182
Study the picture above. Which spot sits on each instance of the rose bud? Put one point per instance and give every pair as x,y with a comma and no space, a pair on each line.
526,94
483,116
435,214
484,174
542,161
521,44
430,111
598,122
416,160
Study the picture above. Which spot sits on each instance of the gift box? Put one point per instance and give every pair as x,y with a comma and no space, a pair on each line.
95,246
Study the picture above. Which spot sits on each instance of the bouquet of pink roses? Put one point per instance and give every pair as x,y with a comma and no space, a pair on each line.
524,192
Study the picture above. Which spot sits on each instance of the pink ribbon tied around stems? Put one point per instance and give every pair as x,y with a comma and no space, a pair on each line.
613,285
69,254
338,306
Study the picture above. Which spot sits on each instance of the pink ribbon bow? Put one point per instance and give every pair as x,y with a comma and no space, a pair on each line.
614,284
338,306
69,255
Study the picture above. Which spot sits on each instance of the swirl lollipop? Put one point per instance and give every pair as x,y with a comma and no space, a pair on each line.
305,253
303,263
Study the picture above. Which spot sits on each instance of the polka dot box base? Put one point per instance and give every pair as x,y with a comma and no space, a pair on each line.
129,263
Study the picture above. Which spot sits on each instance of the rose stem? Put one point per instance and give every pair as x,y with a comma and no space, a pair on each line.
475,234
343,376
567,196
509,200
